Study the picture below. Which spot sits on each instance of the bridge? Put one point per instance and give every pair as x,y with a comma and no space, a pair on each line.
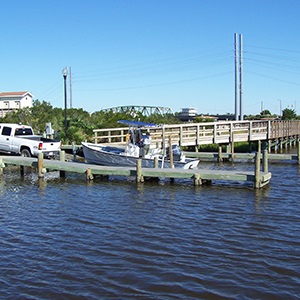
274,132
144,110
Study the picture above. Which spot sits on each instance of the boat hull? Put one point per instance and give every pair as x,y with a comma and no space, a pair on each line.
96,154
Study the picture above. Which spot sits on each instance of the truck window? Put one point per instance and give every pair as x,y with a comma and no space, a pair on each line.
23,131
6,131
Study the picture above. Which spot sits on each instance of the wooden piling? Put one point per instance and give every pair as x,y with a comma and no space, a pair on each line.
197,180
139,176
298,151
281,144
232,148
22,170
89,175
1,166
265,161
41,165
259,146
155,162
220,158
257,170
171,152
62,157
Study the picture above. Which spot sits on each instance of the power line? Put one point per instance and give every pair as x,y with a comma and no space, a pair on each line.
157,84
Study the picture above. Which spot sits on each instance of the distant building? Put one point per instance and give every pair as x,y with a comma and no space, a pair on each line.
11,101
187,114
207,118
227,117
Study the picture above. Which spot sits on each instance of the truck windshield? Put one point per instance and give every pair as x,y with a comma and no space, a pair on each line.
23,131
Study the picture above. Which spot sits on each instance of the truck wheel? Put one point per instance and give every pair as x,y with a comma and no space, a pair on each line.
25,153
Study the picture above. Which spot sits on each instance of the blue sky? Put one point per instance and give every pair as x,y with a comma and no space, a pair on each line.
175,54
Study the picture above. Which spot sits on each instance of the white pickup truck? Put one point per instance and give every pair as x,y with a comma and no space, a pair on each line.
20,139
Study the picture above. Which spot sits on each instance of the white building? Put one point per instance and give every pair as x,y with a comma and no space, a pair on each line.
187,114
10,101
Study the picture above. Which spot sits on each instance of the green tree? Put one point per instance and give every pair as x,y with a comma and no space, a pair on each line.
265,112
289,114
80,123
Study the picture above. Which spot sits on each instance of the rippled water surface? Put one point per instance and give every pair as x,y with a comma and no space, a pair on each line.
68,239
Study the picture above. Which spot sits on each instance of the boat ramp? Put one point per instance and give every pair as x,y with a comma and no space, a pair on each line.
258,178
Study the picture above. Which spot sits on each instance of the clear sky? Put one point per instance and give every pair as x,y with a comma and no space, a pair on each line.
171,53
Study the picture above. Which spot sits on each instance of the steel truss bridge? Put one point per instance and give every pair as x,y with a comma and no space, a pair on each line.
144,110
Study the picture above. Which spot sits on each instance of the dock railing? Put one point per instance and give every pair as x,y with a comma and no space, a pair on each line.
194,134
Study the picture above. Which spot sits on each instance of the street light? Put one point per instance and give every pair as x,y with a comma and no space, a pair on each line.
65,74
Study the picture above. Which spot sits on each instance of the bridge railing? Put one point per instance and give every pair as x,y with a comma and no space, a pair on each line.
207,133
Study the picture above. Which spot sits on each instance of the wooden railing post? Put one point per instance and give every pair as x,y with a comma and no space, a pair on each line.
198,136
269,131
180,135
96,137
250,132
215,134
109,138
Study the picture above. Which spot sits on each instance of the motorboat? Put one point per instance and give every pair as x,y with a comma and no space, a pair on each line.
133,150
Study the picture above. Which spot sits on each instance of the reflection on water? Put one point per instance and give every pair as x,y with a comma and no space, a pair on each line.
65,238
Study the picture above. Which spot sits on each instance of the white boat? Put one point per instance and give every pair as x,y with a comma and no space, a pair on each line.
128,155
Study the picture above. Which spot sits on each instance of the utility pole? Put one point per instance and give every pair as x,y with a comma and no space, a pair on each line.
241,78
236,77
280,108
65,74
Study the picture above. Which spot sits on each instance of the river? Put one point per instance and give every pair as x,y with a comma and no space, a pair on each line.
114,239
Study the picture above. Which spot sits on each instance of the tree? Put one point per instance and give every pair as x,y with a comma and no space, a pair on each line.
265,112
80,124
289,114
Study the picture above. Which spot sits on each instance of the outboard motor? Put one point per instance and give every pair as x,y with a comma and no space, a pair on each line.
176,153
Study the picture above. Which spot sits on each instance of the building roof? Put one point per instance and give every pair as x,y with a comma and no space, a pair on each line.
15,94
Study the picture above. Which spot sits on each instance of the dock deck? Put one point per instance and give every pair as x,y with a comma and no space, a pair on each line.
198,176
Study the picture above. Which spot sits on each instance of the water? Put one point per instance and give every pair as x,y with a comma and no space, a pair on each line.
65,239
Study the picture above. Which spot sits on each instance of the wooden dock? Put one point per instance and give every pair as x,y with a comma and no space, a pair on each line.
233,156
258,178
277,133
214,156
